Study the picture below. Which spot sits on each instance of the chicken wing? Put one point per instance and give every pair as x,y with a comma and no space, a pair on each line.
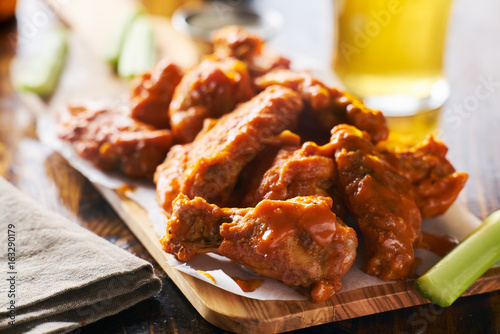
112,140
251,176
239,43
209,166
293,173
381,200
435,182
152,92
299,241
209,90
193,227
327,106
298,171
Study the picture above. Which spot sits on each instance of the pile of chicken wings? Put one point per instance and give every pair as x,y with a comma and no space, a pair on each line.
264,165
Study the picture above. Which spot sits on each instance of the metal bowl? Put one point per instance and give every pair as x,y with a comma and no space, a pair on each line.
200,20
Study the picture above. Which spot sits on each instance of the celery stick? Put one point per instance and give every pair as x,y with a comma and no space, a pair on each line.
40,74
115,45
138,54
455,273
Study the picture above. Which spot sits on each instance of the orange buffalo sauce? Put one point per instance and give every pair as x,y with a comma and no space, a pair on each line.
126,188
207,275
439,245
247,285
285,219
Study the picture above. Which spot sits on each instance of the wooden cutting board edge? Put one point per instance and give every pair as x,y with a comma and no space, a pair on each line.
245,315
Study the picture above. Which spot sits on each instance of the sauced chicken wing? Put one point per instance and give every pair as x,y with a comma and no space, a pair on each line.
152,92
328,106
236,42
303,171
209,166
251,175
293,173
299,241
209,90
112,140
381,200
435,182
193,227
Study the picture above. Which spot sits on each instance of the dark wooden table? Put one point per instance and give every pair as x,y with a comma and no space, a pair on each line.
471,128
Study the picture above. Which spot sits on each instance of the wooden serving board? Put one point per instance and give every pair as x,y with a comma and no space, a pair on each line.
244,315
223,309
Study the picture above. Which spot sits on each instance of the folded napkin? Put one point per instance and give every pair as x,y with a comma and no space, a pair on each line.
56,276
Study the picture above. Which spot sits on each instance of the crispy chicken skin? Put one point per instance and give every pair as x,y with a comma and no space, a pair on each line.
111,140
209,90
168,176
314,92
294,172
236,42
382,202
209,167
251,176
328,106
435,182
298,171
299,241
193,227
152,92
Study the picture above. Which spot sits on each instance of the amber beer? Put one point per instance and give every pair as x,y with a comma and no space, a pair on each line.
390,53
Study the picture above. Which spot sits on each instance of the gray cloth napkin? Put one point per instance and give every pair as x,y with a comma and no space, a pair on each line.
56,276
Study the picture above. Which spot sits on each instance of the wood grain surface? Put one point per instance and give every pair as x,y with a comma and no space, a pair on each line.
473,62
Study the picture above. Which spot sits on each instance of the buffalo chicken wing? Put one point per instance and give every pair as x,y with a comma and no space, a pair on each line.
152,92
305,171
193,227
236,42
435,182
299,241
328,106
210,90
382,202
293,173
111,140
209,167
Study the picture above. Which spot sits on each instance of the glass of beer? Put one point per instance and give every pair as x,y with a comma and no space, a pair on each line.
390,54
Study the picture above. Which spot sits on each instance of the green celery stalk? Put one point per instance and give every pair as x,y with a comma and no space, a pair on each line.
114,48
138,54
455,273
40,74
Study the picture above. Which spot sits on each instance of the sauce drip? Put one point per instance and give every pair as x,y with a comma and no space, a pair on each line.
286,219
247,285
207,275
126,188
439,245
